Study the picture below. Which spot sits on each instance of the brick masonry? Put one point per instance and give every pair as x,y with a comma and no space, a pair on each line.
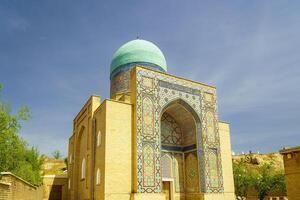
291,159
13,187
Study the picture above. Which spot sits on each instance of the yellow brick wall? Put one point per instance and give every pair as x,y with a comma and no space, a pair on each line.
224,132
118,137
83,189
134,136
149,196
81,147
18,189
100,114
5,192
71,161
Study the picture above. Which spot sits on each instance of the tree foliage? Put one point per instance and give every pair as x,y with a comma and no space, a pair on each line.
15,155
264,179
243,177
66,162
267,179
56,154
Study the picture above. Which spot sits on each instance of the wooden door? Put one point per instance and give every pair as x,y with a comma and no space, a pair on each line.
166,189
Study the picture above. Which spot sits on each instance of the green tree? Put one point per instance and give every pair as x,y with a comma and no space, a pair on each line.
66,162
268,179
243,179
56,154
15,155
279,182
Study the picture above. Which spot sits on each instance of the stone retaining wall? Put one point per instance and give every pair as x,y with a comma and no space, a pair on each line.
13,187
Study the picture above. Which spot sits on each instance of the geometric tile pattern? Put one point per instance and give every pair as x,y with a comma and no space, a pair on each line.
173,167
170,130
213,163
157,91
147,135
148,116
166,169
120,83
148,166
178,172
191,171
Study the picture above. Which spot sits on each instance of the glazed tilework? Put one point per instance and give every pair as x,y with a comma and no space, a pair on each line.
210,126
161,91
172,167
120,83
148,166
166,163
178,172
120,78
148,136
191,171
148,116
213,172
170,130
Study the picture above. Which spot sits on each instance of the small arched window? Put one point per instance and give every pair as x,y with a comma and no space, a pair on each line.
69,183
98,176
99,139
83,169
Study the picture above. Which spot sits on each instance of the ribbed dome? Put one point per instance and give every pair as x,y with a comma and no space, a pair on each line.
138,51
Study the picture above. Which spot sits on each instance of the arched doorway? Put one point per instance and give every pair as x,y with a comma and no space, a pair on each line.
179,159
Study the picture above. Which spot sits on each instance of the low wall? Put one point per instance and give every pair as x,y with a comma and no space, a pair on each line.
5,192
13,187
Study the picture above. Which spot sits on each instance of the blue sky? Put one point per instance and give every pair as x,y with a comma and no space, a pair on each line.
54,54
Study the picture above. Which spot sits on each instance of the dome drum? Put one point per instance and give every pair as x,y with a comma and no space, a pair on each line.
128,66
135,52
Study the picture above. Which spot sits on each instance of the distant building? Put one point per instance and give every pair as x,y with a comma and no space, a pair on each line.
157,138
291,158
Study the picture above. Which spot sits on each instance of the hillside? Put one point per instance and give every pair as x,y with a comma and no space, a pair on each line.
255,159
54,166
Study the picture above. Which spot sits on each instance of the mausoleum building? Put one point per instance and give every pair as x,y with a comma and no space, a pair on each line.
158,137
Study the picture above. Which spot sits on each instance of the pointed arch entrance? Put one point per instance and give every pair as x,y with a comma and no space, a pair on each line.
180,126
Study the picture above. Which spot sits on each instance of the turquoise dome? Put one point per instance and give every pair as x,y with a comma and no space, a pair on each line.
138,51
